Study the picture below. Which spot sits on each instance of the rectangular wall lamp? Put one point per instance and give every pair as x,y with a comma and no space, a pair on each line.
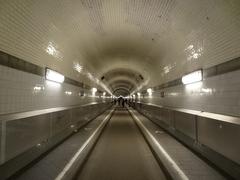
54,76
193,77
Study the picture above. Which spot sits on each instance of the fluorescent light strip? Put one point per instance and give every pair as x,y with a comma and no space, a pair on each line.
193,77
54,76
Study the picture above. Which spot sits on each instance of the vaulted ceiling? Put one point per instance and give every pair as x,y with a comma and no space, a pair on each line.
121,45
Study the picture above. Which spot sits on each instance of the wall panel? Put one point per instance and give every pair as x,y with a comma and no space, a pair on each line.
22,134
220,136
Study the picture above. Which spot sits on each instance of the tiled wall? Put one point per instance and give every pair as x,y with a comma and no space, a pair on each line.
217,94
160,38
21,91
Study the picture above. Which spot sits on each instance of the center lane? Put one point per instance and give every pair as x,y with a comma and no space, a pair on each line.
121,153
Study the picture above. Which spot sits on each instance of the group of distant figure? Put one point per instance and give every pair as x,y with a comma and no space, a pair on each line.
121,102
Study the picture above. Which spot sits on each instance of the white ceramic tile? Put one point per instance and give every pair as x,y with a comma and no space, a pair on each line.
218,94
18,94
81,33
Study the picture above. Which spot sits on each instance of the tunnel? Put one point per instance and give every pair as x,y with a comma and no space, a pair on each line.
119,89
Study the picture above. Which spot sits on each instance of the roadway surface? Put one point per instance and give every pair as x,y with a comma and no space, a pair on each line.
121,153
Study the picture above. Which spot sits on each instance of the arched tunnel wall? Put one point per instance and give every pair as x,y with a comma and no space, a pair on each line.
217,93
25,88
203,115
127,47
